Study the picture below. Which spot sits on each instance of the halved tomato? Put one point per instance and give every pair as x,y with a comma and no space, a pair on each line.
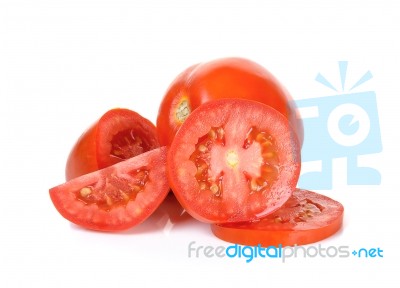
307,217
117,197
118,135
232,77
233,160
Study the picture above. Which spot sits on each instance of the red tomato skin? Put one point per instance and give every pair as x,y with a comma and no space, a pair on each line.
90,152
224,78
82,158
284,237
120,218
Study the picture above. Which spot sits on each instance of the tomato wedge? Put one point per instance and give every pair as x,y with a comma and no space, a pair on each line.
118,135
307,217
117,197
233,160
230,77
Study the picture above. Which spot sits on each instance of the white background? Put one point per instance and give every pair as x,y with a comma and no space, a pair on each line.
64,63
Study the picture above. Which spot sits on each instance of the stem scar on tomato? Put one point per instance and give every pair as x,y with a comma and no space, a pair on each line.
182,110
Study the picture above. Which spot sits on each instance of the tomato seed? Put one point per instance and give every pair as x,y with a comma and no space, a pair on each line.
135,188
202,148
212,134
108,200
214,188
116,152
86,191
268,154
264,138
203,186
220,133
124,195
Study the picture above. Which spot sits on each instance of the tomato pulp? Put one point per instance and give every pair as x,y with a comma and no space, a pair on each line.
307,217
233,160
222,78
118,135
117,197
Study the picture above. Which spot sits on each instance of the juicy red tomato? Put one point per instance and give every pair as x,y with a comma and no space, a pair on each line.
307,217
233,160
118,135
117,197
218,79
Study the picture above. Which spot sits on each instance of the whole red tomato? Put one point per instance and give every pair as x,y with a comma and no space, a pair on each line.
222,78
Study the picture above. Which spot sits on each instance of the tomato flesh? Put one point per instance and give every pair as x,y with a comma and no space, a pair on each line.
233,160
127,144
258,145
307,217
117,197
118,135
115,190
235,78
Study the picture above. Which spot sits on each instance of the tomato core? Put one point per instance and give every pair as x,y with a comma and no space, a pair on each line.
259,173
232,158
114,191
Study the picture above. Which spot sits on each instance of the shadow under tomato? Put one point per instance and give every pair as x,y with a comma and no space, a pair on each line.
168,216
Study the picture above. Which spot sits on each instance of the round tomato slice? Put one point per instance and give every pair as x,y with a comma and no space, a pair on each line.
118,135
307,217
219,79
233,160
117,197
